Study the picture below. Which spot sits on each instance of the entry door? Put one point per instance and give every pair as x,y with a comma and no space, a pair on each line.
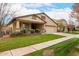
26,26
33,26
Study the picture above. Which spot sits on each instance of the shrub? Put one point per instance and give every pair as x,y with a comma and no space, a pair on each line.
1,33
32,30
24,31
16,34
37,30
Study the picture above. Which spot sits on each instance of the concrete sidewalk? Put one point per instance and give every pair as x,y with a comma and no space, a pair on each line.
63,34
32,48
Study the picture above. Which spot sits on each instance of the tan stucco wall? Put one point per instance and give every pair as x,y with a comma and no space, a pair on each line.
14,26
10,26
29,19
50,26
49,22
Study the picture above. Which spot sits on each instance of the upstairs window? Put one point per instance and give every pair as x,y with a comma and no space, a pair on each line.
34,17
42,17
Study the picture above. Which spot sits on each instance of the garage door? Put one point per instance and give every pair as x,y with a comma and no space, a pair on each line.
51,29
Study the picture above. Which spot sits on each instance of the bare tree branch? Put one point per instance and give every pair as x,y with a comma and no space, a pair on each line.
75,9
5,10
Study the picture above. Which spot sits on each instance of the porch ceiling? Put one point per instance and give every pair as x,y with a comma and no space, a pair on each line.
31,21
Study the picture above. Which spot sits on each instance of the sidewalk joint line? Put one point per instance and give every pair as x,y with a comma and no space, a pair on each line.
11,52
34,48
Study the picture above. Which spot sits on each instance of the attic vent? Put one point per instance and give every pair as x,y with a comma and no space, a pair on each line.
33,17
42,17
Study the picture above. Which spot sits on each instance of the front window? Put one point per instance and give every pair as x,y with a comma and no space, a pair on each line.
24,26
42,17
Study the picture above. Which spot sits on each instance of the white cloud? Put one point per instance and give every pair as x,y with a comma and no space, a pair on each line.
27,11
38,5
60,13
43,7
54,13
15,6
21,10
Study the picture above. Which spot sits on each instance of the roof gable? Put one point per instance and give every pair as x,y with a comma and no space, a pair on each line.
32,18
36,15
46,16
47,19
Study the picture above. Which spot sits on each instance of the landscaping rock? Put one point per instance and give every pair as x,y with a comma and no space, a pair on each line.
48,52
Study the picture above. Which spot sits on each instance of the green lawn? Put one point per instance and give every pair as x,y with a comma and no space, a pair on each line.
74,32
17,42
61,49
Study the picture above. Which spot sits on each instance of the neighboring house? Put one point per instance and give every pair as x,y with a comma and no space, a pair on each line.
33,21
62,25
77,27
71,27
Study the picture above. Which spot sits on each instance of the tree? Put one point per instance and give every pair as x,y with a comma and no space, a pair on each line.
5,13
61,25
75,11
76,8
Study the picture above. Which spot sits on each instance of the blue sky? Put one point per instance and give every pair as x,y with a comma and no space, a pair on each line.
64,5
44,7
54,10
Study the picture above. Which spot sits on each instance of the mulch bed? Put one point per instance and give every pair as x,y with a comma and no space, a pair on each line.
4,37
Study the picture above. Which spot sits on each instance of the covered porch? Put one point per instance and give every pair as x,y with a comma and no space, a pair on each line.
26,26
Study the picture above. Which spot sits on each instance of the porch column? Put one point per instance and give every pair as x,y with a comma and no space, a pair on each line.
17,26
29,26
43,28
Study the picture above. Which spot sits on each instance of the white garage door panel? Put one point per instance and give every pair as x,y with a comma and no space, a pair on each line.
51,29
